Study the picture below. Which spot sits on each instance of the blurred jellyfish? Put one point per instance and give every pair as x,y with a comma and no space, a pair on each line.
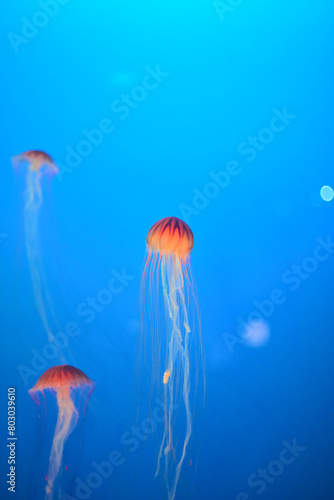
68,384
36,165
327,193
170,311
256,333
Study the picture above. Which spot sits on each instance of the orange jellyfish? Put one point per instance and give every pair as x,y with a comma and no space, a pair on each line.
170,305
36,165
69,385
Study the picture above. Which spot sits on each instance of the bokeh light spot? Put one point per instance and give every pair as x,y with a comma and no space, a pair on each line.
257,333
327,193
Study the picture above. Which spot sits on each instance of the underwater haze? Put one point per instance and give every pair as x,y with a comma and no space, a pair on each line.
218,113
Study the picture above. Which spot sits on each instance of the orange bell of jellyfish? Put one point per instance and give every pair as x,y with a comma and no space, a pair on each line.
36,159
61,376
171,235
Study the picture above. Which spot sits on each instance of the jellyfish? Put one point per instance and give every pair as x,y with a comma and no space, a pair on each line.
170,311
36,165
39,163
70,385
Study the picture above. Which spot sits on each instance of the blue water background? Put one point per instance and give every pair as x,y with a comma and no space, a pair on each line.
225,75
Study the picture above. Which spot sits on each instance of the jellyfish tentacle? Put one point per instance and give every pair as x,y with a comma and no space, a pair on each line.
169,291
67,420
173,292
163,437
186,391
29,189
36,270
38,188
54,169
183,349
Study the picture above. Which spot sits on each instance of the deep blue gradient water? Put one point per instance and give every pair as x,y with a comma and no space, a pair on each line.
221,114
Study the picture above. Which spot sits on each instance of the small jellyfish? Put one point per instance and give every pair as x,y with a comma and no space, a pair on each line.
68,384
173,320
35,165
